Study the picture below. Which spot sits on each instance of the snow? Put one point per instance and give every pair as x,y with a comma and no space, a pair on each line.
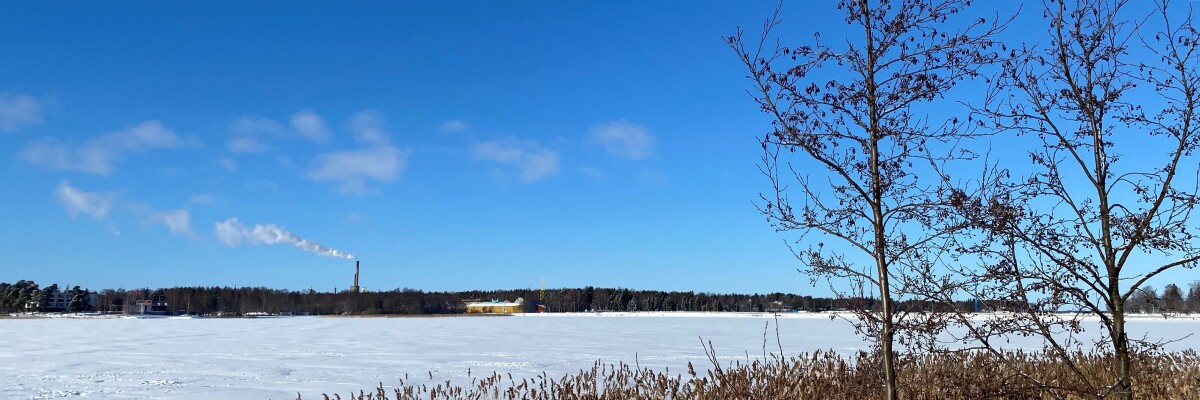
273,358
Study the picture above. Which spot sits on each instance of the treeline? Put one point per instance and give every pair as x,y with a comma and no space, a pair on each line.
226,300
25,296
244,300
1147,300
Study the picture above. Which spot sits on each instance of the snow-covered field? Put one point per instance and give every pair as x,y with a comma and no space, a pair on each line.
273,358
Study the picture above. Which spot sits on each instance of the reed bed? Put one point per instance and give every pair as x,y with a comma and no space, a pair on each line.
828,375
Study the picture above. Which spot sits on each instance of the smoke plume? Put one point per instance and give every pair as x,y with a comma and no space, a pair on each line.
232,233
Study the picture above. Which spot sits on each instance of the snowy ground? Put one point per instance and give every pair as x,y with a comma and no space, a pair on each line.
273,358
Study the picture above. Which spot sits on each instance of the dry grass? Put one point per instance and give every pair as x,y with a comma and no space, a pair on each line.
827,375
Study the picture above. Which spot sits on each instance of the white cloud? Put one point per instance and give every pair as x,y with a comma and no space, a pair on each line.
250,125
246,144
227,163
98,205
18,111
532,160
178,221
252,134
230,232
351,169
623,139
310,125
77,201
100,155
453,125
248,132
368,127
203,198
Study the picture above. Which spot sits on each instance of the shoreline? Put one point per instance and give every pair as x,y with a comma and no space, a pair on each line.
598,314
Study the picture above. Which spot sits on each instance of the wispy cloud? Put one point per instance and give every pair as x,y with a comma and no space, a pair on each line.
98,205
227,164
352,168
203,198
177,221
368,127
246,144
453,125
78,201
248,132
378,160
101,154
232,233
18,111
532,160
254,134
623,139
309,124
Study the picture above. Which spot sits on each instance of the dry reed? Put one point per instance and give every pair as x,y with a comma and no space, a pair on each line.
828,375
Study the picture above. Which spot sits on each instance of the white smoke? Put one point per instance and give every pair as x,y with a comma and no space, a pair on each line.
232,233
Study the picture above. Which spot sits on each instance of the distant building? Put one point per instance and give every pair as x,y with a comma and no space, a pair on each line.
503,307
147,307
56,301
779,307
59,301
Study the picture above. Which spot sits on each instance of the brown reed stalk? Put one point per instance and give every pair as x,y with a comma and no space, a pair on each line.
827,375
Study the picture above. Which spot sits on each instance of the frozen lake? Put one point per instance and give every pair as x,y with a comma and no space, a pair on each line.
273,358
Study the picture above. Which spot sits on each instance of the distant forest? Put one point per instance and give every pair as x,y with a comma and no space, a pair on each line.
28,296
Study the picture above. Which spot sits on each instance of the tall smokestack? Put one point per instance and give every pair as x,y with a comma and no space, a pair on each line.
354,289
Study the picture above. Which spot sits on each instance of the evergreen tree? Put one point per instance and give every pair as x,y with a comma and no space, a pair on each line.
46,295
1193,299
5,301
28,295
80,301
1172,299
586,303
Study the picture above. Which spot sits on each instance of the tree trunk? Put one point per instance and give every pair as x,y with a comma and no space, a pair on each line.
886,338
880,248
1124,389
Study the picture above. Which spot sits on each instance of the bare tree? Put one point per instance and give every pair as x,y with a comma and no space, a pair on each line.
1111,102
859,113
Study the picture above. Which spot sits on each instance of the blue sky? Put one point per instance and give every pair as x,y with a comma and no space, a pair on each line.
468,145
449,146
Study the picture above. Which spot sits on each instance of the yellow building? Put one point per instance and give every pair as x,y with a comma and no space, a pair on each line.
496,307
